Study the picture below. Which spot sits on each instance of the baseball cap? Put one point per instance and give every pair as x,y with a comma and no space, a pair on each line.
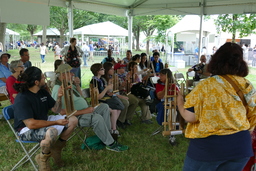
118,66
63,68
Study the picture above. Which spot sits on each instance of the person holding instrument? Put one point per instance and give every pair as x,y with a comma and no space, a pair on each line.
98,118
31,121
220,111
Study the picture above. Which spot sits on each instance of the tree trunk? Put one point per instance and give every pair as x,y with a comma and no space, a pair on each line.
137,38
234,30
62,37
147,46
2,34
133,45
44,35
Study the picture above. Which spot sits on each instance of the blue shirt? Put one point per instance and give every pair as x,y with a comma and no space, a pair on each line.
91,47
4,73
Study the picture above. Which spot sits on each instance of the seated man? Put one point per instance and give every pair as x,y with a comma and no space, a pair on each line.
4,68
200,69
31,121
98,118
109,58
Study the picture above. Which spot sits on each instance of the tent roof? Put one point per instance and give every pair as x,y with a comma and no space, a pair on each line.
159,7
49,32
102,29
8,31
191,23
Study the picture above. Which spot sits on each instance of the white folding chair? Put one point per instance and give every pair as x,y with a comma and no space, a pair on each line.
9,116
78,129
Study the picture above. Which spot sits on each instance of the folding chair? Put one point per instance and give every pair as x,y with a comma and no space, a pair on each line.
9,115
78,129
179,78
50,78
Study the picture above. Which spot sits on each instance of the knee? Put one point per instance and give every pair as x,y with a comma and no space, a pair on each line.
51,134
73,121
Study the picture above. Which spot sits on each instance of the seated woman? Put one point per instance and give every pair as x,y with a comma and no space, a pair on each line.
160,92
16,68
104,90
4,68
130,104
133,78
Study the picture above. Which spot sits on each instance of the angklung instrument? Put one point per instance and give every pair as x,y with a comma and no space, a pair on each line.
115,81
68,94
173,122
94,93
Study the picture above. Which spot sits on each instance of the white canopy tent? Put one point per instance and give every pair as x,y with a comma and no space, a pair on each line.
15,37
104,29
188,27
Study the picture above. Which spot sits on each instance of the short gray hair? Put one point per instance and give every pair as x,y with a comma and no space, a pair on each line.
14,64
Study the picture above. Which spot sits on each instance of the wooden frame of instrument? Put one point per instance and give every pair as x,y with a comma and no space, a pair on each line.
94,93
68,94
171,126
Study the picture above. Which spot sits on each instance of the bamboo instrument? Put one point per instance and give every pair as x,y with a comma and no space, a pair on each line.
68,94
94,93
171,125
115,82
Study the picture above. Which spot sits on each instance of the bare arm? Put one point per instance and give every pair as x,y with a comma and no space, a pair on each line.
160,94
57,107
36,124
187,115
3,79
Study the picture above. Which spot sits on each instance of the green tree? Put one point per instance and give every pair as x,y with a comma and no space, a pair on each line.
31,29
159,23
233,23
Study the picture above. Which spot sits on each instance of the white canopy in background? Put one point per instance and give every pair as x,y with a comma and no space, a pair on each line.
191,24
49,32
102,29
10,32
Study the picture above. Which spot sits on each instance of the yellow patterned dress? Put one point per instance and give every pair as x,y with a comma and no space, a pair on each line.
218,108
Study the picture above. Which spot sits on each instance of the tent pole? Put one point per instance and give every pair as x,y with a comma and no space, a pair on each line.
201,29
70,18
129,29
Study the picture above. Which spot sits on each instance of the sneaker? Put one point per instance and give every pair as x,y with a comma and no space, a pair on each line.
117,147
147,122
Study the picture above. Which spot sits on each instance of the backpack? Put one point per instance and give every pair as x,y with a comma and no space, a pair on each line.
93,143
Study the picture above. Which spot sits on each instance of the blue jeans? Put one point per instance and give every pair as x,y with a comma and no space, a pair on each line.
42,57
223,165
85,56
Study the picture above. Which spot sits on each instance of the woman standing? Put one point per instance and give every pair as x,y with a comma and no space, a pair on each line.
57,50
218,118
43,51
71,55
16,68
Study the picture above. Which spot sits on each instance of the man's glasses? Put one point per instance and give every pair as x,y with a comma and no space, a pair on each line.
102,69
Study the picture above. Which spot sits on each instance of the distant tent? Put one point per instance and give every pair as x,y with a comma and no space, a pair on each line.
10,32
49,32
102,29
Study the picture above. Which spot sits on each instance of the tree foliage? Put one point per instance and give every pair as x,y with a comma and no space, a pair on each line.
233,23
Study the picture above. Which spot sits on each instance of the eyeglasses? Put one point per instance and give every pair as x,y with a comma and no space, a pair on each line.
21,66
102,69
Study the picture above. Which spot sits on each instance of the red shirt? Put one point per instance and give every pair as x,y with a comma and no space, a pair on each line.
9,87
160,87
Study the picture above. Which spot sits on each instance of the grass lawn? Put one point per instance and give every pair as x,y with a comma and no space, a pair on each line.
145,152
